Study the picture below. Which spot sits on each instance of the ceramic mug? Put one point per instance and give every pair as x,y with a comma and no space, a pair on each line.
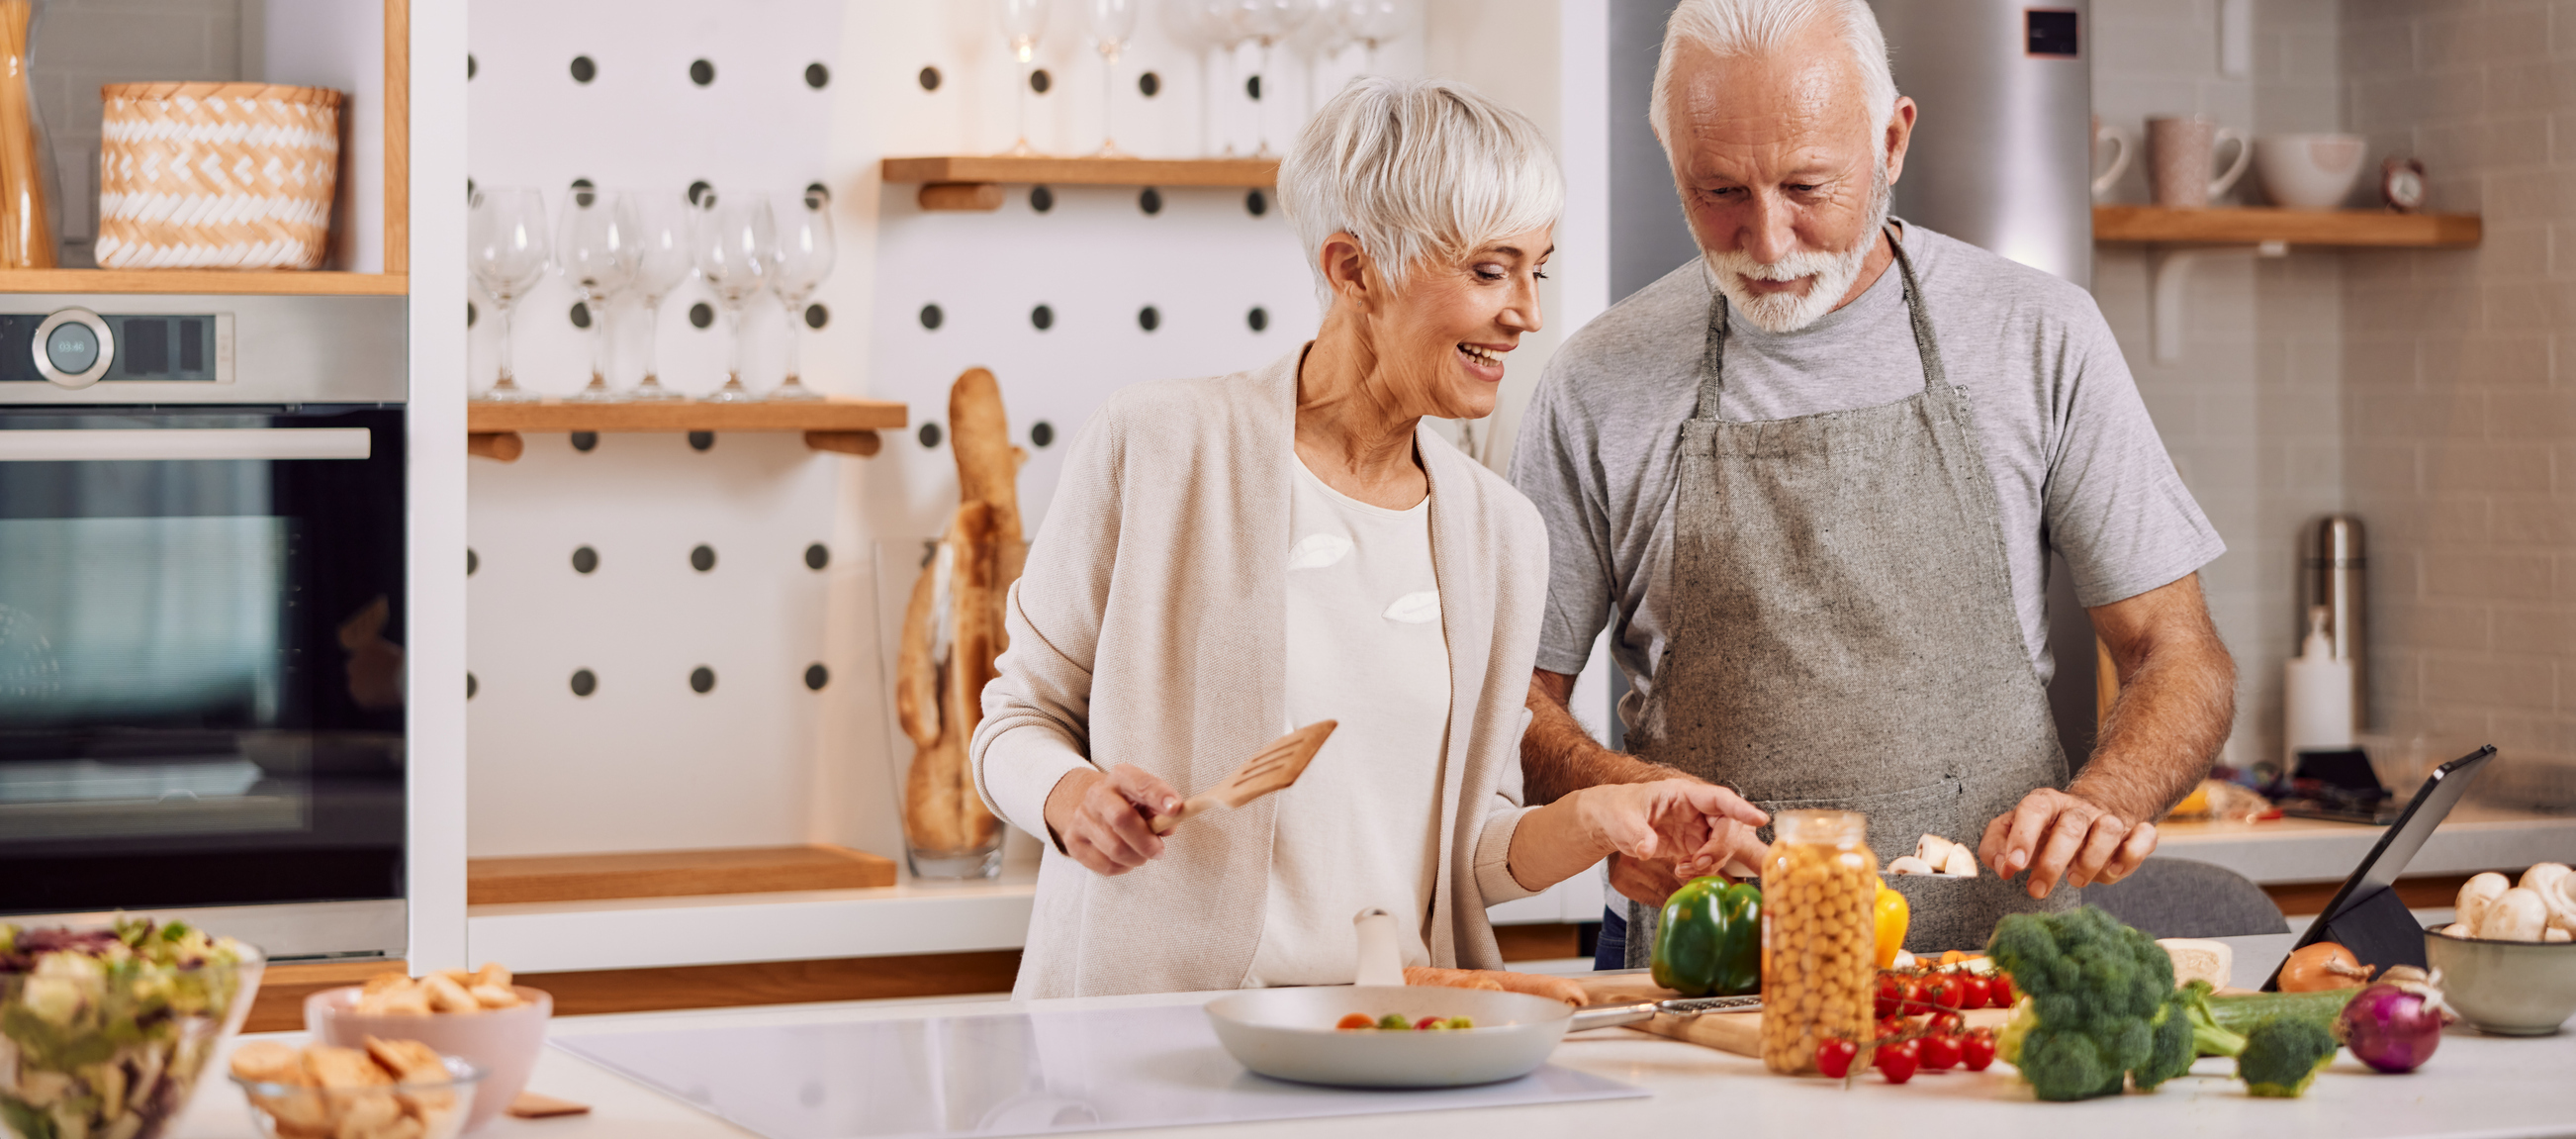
2309,171
2180,152
2122,149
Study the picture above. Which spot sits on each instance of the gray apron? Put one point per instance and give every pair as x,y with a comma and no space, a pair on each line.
1844,637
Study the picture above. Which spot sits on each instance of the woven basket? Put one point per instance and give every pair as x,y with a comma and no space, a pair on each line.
216,175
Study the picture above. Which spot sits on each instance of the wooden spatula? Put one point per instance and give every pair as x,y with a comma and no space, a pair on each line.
1275,767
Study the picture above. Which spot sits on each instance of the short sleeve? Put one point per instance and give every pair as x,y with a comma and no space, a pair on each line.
1554,463
2117,509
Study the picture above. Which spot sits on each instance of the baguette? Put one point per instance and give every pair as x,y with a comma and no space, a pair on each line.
916,675
1533,984
972,649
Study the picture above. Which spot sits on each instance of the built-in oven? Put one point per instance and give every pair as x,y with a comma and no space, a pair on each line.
202,617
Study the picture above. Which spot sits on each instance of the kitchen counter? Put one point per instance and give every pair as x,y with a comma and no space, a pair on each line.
2474,837
2476,1085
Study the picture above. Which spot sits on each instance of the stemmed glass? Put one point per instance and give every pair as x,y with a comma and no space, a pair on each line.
1270,21
664,258
804,261
1373,22
505,248
596,251
737,250
1023,21
1224,26
1112,22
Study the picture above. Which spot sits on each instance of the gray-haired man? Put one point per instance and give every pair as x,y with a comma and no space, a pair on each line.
1817,474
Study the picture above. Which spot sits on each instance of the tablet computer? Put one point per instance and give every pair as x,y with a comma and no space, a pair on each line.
2366,916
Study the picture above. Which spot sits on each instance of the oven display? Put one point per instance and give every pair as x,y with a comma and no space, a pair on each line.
156,347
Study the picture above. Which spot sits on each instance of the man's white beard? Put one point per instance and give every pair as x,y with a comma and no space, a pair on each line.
1833,273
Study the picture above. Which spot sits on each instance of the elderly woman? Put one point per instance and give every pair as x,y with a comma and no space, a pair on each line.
1228,558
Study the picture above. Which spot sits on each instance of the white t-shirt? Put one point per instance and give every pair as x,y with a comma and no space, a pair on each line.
1361,828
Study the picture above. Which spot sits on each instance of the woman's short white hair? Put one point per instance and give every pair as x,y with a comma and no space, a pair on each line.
1417,168
1729,28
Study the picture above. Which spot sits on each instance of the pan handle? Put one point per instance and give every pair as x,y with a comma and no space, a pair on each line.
1610,1016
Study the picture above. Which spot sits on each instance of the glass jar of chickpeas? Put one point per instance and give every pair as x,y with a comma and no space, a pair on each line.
1818,956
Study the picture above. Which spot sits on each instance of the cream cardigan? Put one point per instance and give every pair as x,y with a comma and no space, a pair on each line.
1150,628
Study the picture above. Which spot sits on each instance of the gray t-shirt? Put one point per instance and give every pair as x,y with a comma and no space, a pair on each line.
2077,464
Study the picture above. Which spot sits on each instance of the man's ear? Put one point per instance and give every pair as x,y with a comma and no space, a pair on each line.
1900,135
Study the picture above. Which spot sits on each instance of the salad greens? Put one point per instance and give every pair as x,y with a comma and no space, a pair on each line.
103,1032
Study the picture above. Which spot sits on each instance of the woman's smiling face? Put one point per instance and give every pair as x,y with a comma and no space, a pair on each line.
1439,341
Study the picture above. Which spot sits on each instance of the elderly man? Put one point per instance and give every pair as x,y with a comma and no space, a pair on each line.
1816,475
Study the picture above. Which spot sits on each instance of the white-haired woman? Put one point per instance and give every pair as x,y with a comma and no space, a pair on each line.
1227,558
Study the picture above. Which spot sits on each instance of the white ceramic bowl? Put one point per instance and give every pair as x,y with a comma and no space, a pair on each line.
502,1043
2510,988
2309,171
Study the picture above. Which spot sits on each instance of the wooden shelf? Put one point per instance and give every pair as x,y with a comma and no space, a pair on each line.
2257,225
672,874
839,424
974,182
226,281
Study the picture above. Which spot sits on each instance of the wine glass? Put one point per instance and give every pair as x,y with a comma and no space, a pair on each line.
1373,22
664,258
737,251
505,249
1270,21
596,251
1225,28
1023,21
1112,22
804,261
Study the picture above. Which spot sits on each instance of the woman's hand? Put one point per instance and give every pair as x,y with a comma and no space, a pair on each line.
1101,818
1694,827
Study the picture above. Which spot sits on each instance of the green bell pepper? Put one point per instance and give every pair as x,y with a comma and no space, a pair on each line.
1709,942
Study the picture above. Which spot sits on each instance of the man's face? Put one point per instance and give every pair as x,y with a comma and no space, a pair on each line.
1783,173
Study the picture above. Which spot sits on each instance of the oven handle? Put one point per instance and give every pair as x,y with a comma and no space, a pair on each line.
185,443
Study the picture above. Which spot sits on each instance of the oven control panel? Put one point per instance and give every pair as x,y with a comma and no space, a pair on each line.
75,347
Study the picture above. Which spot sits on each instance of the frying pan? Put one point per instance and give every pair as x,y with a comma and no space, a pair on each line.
1288,1033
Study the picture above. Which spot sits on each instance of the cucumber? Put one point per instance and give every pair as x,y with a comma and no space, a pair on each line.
2239,1013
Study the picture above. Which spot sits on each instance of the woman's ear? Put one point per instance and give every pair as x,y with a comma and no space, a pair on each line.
1349,272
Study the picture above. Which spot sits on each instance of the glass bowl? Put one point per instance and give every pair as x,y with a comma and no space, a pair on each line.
393,1111
104,1047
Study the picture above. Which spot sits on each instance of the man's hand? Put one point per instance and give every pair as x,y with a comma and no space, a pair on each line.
1645,880
2056,835
1101,819
1692,827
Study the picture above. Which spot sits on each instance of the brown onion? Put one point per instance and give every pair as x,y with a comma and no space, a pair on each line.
2324,965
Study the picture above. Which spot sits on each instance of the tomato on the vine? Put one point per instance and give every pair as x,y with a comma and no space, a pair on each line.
1948,1022
1999,991
1973,991
1898,1061
1917,1002
1891,995
1834,1058
1977,1049
1941,1051
1942,991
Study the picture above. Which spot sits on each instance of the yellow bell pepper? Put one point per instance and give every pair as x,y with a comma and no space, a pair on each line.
1888,917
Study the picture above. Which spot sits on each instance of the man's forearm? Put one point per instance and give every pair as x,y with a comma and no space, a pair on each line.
2176,705
1558,756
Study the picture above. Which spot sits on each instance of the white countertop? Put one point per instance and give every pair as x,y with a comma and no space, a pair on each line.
2474,837
2476,1085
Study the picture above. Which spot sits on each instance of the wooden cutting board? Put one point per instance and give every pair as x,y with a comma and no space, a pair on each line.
1736,1032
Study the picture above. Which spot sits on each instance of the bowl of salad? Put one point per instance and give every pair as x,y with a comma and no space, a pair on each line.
103,1032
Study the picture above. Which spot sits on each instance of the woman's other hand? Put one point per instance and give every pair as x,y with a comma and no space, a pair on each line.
1693,827
1101,818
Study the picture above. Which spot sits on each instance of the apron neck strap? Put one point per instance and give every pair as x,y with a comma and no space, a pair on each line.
1712,359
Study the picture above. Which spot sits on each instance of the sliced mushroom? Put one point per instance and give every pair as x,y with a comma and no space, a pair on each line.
1909,865
1933,849
2476,895
1962,861
2515,915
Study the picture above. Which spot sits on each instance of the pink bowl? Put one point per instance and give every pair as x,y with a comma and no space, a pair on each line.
502,1042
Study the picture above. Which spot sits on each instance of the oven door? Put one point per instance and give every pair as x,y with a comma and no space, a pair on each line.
201,664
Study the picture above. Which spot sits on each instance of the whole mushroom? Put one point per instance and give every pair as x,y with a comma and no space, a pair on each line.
2516,915
2476,894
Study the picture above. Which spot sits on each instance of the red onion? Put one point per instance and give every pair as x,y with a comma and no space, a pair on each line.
2394,1023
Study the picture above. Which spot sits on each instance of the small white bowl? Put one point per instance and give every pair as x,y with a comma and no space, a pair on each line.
2509,988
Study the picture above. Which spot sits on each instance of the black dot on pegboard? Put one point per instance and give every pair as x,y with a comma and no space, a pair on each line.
701,315
820,191
1256,203
1149,84
470,314
1258,318
584,559
1041,433
583,70
1041,199
698,190
580,314
1039,81
1252,88
469,191
817,76
583,187
929,435
1043,317
817,556
473,561
701,440
929,78
816,316
931,316
471,685
1150,201
702,680
584,682
585,441
702,558
469,65
1149,318
701,72
816,676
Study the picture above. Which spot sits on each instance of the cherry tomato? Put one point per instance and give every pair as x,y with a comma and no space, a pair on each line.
1999,991
1915,1004
1834,1058
1974,992
1898,1061
1947,1022
1891,995
1977,1049
1941,1051
1941,991
1356,1020
1890,1026
1428,1023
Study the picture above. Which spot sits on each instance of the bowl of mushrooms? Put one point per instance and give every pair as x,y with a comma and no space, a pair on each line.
2508,961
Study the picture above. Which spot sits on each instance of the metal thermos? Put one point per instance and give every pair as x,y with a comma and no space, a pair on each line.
2331,577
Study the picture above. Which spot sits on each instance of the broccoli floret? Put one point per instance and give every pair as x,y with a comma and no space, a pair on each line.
2208,1037
2101,1005
2283,1056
